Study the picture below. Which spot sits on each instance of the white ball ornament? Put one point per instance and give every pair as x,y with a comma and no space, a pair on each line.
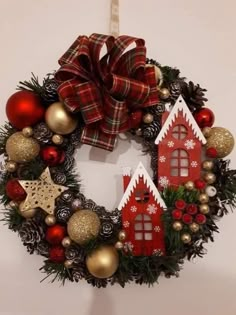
211,191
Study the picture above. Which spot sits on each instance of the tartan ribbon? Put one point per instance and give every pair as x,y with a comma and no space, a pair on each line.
105,89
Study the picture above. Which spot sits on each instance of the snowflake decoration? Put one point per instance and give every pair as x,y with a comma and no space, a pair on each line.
190,144
133,208
170,144
194,163
126,224
152,208
162,159
157,229
128,246
157,252
163,181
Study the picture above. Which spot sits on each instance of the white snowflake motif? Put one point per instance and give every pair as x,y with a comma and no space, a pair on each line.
126,224
163,181
157,229
194,163
189,144
157,252
152,208
128,246
162,159
170,144
133,208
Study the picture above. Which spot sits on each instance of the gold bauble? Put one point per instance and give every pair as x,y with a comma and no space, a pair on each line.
210,178
21,149
119,245
122,235
177,226
222,140
50,220
204,208
68,263
11,166
203,198
164,93
189,185
57,139
148,118
66,242
186,238
103,262
194,227
207,165
206,131
83,226
26,213
27,132
59,120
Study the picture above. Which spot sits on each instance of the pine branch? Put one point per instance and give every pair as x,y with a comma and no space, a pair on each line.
55,270
5,132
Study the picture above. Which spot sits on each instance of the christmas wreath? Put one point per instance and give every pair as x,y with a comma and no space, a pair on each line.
160,221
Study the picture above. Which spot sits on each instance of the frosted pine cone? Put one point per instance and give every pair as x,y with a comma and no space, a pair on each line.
31,234
42,133
63,214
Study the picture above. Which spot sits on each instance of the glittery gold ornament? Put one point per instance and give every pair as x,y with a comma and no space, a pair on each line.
68,263
42,192
186,238
21,149
203,198
50,220
66,242
83,226
194,227
27,132
177,226
119,245
26,212
210,178
11,166
148,118
207,165
103,262
206,131
122,235
59,120
164,93
204,208
222,140
189,185
57,139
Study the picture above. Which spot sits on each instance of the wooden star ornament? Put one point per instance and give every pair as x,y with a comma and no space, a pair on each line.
41,193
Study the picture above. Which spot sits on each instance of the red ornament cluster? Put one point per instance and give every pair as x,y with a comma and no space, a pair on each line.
15,191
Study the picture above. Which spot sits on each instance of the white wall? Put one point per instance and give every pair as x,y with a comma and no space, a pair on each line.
197,36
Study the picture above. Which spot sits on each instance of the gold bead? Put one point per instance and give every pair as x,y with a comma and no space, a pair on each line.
206,131
119,245
204,208
164,93
122,235
148,118
66,242
203,198
83,226
11,166
59,120
103,261
138,132
57,139
177,226
13,204
194,227
186,238
207,165
27,213
210,178
68,263
50,220
222,140
189,185
27,132
21,149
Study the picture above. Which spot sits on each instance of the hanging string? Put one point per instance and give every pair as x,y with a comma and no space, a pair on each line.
114,19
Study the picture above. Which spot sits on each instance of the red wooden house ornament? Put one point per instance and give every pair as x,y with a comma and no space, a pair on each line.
142,208
179,147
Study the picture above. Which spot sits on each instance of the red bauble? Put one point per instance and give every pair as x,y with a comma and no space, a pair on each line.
135,119
204,117
211,153
200,218
52,155
187,218
180,204
177,214
15,191
55,234
199,184
57,254
24,109
191,209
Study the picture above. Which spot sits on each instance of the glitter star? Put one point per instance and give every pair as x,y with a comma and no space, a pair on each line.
41,193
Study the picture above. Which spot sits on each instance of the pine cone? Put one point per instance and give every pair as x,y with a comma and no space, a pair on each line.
107,229
31,234
152,130
63,214
67,196
43,249
58,177
193,95
50,86
76,136
175,91
79,272
89,204
96,282
69,162
76,254
42,133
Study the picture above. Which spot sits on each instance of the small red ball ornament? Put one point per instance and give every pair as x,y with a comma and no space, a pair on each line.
200,218
191,209
187,218
15,191
24,109
204,117
135,119
177,214
52,155
200,184
55,234
211,153
180,204
57,254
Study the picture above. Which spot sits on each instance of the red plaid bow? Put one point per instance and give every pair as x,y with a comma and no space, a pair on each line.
105,89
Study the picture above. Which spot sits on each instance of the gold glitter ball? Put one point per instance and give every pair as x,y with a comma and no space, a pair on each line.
21,149
83,226
222,140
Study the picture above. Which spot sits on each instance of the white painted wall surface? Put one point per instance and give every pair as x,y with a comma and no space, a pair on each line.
199,38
